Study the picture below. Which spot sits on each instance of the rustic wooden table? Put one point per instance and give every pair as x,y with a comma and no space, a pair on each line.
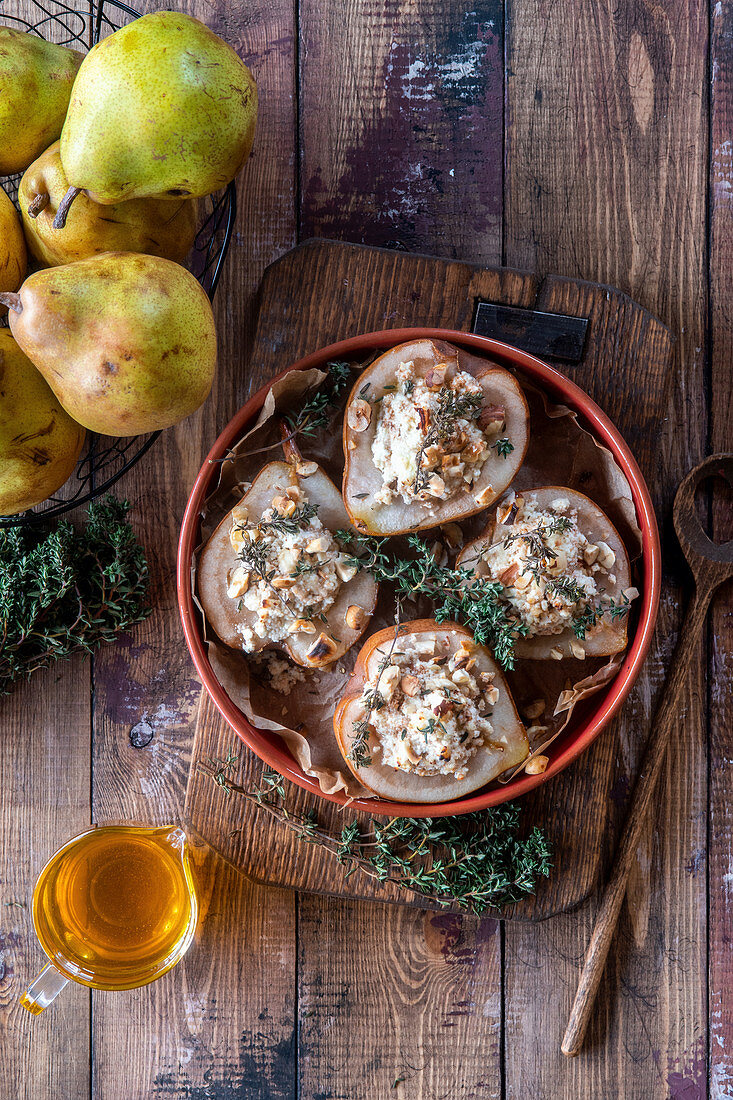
591,140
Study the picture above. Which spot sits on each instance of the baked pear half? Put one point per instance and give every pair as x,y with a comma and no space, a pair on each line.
431,434
565,572
272,575
427,714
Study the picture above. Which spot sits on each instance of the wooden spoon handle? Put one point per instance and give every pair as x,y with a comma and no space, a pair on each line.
665,720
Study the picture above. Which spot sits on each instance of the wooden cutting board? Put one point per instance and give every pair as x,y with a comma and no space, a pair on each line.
324,291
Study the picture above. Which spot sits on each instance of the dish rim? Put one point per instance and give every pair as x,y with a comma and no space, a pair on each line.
266,744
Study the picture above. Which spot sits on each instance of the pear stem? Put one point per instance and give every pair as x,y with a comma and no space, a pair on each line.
12,301
39,203
61,214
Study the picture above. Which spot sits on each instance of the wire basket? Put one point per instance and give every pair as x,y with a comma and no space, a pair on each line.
104,459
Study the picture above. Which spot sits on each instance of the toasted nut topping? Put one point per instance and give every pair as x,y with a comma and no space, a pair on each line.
345,570
237,538
317,545
293,492
486,677
352,445
302,626
282,582
355,617
577,650
556,654
409,685
460,676
486,496
359,415
443,707
410,752
453,535
509,575
590,553
523,581
435,377
238,582
536,765
389,680
534,709
506,512
435,486
284,505
424,419
631,593
606,557
491,694
322,649
491,415
431,455
306,469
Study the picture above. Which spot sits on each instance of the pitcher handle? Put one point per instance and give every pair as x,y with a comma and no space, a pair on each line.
44,989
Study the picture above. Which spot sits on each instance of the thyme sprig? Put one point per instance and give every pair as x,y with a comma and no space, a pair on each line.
68,589
315,413
373,700
452,406
456,593
476,861
504,446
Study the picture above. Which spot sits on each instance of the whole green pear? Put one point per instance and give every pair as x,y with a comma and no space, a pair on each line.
126,341
36,79
161,108
13,257
160,227
39,442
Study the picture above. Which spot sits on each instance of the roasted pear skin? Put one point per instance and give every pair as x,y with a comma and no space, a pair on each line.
608,636
39,442
485,765
13,257
36,78
218,558
157,227
127,342
362,479
162,108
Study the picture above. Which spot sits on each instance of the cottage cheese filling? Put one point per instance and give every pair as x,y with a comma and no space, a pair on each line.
432,710
290,570
433,435
550,571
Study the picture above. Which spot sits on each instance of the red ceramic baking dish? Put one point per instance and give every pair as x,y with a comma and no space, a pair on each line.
601,707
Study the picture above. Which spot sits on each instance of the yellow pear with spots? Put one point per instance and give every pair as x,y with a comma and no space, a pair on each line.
13,257
39,442
127,342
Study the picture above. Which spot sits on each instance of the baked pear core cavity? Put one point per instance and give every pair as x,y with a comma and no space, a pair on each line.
431,434
272,576
427,714
565,572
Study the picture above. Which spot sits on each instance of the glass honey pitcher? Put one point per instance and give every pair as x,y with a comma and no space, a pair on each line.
114,908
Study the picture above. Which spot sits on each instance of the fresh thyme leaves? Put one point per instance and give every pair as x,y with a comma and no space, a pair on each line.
314,414
477,861
593,613
504,446
452,406
566,588
374,700
290,525
455,593
68,589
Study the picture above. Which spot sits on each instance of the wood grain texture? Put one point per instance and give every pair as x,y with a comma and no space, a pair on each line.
397,1002
720,681
316,294
606,159
188,1032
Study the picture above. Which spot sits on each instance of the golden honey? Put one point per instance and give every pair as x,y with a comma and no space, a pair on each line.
115,908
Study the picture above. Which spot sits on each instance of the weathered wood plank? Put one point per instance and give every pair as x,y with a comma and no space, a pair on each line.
45,762
602,100
401,144
720,682
45,801
397,1002
224,1018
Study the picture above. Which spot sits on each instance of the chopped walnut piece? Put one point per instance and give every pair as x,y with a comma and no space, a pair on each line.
237,582
631,593
606,557
486,496
359,415
302,626
577,650
410,685
556,654
306,469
